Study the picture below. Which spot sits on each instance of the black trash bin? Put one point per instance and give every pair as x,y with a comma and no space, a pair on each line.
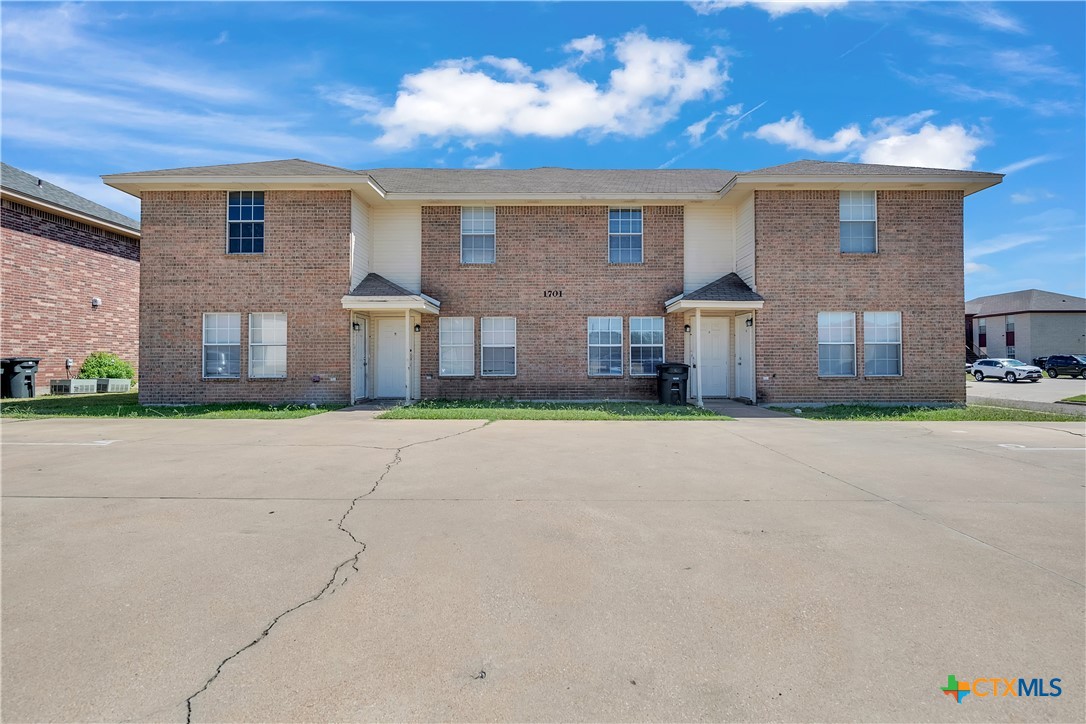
19,376
671,378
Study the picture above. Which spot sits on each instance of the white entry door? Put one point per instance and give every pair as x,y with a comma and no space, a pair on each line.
714,356
744,357
359,358
391,355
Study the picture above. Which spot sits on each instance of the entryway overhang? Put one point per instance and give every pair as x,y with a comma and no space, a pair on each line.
377,294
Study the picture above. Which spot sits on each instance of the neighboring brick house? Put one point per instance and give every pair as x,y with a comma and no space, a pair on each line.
61,252
290,280
1026,324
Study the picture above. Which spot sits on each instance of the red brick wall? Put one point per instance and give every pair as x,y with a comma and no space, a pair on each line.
51,271
918,271
550,248
303,272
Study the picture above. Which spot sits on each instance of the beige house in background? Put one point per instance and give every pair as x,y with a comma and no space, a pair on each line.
1026,324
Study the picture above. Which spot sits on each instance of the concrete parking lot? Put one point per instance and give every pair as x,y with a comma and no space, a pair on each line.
350,569
1044,395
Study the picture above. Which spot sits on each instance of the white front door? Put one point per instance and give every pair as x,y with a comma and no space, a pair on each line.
744,357
714,356
359,358
391,356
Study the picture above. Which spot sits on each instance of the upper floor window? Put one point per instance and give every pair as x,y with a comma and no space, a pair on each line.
245,222
836,344
624,236
646,345
477,235
982,333
858,222
1010,334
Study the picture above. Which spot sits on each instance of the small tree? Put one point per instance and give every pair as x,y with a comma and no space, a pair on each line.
104,364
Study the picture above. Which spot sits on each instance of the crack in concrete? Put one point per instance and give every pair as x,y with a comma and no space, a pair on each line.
331,584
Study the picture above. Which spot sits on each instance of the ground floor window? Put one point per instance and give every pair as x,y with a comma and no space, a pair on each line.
499,346
646,345
882,344
222,345
836,344
457,343
605,346
267,344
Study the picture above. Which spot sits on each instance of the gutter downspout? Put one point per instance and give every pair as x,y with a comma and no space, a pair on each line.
407,356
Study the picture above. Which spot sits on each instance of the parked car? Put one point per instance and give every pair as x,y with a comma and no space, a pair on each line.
1009,370
1039,362
1065,364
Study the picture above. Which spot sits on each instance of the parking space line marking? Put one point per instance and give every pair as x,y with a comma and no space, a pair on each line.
1023,448
96,443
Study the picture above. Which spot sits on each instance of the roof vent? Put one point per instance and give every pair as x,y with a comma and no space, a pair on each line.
39,183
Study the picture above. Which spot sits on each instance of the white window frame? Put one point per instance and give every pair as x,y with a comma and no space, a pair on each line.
230,222
588,356
641,213
492,210
852,317
663,348
442,345
870,325
205,344
253,345
483,346
874,220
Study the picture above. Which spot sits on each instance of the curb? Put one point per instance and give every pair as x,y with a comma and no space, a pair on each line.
1064,408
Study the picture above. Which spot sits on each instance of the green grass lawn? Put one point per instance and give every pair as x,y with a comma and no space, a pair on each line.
1076,398
511,410
909,413
126,405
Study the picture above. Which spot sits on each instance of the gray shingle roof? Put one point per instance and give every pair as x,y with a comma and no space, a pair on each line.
21,182
1026,300
837,168
728,288
286,167
550,180
375,285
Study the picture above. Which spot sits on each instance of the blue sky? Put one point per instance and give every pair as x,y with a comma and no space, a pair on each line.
97,88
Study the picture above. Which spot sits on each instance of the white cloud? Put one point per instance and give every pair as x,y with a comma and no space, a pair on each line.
972,267
1027,162
1037,64
1003,242
1031,195
775,8
696,130
222,38
900,141
734,110
588,47
475,99
349,97
492,161
990,17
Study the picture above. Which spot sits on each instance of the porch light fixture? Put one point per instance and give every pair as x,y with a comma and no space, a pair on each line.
356,326
686,328
750,322
418,327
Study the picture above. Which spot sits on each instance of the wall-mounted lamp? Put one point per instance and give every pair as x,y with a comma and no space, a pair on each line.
750,321
96,302
356,326
686,328
418,327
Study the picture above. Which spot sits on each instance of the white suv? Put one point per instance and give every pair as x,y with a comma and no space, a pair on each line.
1010,370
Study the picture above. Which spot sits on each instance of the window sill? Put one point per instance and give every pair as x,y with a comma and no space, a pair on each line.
478,263
606,377
456,377
837,377
858,253
497,377
252,377
626,263
244,253
883,377
213,379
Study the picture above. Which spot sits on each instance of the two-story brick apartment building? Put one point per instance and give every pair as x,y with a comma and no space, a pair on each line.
290,280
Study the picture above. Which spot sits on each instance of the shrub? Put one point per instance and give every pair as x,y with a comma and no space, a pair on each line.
104,364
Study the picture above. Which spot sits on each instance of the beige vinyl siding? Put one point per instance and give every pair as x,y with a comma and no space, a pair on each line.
361,241
708,244
397,244
744,241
